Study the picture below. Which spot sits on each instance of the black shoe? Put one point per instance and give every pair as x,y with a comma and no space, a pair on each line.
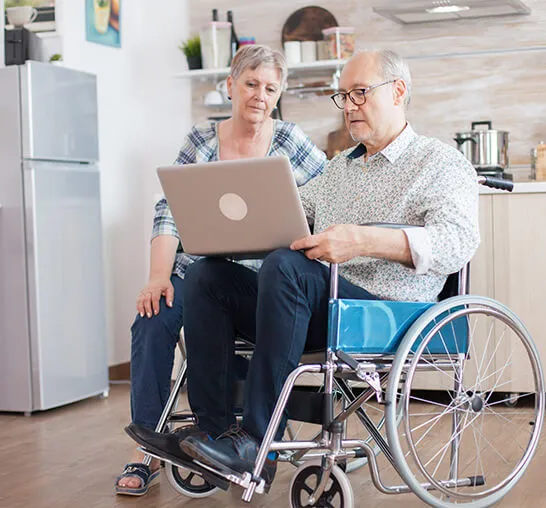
234,451
165,445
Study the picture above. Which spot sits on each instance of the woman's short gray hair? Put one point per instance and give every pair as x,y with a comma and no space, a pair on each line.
393,66
251,56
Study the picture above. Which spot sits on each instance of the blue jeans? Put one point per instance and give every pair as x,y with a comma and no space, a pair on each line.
283,310
152,357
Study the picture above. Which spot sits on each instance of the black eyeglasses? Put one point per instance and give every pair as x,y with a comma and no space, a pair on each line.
357,95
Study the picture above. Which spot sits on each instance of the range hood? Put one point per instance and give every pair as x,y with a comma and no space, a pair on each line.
427,11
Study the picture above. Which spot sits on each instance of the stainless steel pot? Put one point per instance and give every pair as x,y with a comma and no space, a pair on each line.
486,149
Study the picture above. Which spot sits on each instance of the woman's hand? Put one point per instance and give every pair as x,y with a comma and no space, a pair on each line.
148,299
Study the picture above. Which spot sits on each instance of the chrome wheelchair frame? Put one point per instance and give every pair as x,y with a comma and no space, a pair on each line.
436,339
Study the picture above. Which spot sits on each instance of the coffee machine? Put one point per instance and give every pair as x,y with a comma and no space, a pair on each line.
16,46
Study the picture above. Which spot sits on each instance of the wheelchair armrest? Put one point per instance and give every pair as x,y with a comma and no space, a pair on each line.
334,266
390,225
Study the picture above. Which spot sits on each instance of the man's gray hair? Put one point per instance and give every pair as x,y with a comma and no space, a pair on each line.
393,66
251,56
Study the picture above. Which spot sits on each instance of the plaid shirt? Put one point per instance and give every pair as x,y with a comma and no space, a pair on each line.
201,145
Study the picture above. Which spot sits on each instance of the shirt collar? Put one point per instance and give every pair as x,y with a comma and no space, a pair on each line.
392,151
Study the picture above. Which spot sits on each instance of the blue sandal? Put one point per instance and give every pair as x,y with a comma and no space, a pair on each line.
137,470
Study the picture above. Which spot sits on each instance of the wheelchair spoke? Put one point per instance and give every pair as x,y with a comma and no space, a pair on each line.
503,418
486,347
436,418
432,363
413,429
490,446
446,448
431,402
448,444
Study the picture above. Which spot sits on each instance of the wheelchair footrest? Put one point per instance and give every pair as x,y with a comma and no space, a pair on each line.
208,476
477,481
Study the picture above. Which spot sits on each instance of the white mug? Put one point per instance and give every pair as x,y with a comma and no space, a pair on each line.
308,51
292,52
221,86
214,98
19,16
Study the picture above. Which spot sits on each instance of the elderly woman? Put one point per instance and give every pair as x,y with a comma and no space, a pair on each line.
258,76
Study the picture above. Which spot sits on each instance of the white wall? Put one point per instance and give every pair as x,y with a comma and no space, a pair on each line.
143,115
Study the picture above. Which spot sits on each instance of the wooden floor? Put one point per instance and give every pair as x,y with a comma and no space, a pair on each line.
69,457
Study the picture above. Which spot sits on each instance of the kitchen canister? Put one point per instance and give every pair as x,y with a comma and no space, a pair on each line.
216,44
308,51
292,52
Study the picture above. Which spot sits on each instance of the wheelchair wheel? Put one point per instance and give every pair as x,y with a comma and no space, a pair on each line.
458,442
337,494
188,483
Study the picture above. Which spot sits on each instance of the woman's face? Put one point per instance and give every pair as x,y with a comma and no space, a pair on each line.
254,94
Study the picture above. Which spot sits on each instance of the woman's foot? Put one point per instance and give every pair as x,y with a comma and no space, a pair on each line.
135,482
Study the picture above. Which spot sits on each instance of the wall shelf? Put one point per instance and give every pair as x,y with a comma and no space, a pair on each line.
307,68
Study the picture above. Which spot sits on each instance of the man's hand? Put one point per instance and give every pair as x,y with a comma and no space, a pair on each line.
148,299
336,244
344,242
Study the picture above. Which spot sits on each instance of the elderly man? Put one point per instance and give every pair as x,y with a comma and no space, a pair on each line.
392,176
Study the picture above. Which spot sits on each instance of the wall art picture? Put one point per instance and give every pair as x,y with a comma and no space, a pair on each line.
103,22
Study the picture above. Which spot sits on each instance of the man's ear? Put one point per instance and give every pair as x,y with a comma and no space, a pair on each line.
399,91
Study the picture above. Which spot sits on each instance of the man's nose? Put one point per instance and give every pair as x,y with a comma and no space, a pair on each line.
349,105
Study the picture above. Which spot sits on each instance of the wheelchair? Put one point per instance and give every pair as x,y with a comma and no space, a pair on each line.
450,393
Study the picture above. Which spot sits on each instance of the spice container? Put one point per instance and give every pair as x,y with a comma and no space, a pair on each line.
341,42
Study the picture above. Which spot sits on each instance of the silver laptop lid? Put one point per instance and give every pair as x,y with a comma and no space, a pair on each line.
241,208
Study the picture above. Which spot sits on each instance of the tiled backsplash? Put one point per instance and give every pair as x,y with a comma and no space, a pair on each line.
463,71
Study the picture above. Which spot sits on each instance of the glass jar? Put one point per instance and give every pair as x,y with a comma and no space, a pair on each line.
216,44
340,41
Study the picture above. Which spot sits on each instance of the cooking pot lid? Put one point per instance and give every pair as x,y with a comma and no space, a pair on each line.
473,131
479,131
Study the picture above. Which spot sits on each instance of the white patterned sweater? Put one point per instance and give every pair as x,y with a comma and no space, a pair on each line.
416,180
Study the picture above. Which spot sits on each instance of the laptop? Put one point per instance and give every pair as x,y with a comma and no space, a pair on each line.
241,208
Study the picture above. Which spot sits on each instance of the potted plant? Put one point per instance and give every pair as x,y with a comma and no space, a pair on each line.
56,59
192,49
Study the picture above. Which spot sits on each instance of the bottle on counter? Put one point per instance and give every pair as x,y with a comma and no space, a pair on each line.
214,14
540,161
234,42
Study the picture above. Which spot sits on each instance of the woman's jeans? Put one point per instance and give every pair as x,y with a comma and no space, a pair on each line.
152,357
283,310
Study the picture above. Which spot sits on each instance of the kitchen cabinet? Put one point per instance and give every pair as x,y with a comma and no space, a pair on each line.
509,267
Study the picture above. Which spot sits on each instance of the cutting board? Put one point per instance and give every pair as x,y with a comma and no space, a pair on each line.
306,24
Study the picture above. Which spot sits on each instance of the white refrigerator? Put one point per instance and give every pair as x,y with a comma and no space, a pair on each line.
53,347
